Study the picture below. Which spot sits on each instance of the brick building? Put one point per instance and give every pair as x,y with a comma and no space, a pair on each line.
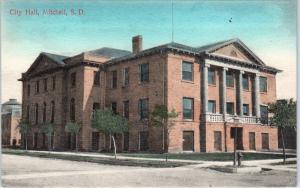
217,89
10,118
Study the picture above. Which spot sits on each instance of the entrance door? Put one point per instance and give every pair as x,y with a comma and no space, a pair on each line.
217,141
188,141
239,140
239,145
252,141
95,141
265,140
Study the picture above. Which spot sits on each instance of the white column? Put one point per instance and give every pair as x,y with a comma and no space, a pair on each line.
224,91
240,97
205,88
257,96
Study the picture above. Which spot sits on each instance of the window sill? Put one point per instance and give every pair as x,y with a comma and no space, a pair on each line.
229,87
212,85
246,90
263,92
188,81
144,83
188,120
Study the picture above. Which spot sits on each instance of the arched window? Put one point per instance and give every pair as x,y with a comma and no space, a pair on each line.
36,113
44,112
28,90
72,110
52,111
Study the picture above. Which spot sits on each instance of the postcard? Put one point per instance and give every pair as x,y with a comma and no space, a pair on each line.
157,93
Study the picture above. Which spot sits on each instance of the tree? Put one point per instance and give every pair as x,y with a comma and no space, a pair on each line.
73,127
24,127
160,118
284,115
48,129
109,123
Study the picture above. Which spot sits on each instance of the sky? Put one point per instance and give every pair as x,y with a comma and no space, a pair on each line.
267,27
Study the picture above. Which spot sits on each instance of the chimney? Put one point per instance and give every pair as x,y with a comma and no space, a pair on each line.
137,44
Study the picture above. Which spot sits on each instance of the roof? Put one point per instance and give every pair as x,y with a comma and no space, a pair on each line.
12,102
55,57
205,49
109,52
210,46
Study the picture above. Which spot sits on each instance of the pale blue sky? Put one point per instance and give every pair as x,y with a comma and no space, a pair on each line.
266,27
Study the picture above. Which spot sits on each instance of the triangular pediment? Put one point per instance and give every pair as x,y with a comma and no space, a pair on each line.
42,63
236,50
233,52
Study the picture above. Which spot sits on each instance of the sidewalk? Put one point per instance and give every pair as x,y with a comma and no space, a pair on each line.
200,164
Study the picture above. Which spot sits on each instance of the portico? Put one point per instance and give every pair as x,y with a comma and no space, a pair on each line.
238,72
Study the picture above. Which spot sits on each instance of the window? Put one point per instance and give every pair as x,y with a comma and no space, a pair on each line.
188,141
143,108
96,78
229,79
126,76
36,113
143,139
72,109
114,107
211,76
27,112
73,79
144,72
230,108
264,114
52,111
45,84
212,106
28,90
245,82
265,141
263,84
188,108
187,71
252,140
246,109
114,79
44,112
126,109
217,140
37,86
96,106
53,82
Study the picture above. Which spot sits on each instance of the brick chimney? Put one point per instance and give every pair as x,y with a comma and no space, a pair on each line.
137,44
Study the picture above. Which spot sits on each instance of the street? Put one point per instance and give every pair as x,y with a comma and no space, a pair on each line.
22,171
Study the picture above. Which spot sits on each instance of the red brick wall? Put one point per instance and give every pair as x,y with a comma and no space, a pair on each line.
270,95
258,129
176,90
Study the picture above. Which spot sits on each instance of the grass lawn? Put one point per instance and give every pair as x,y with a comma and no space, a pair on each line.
183,156
106,161
207,156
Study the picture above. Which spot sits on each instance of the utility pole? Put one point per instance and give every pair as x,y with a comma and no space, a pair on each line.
236,121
